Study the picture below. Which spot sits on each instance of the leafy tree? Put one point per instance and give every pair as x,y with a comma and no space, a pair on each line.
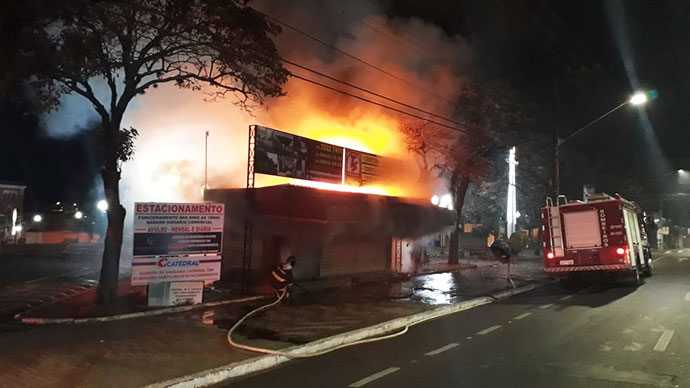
465,158
222,47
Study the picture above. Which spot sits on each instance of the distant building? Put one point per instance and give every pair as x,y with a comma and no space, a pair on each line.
11,198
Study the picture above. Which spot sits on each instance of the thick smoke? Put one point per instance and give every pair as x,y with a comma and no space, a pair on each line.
169,161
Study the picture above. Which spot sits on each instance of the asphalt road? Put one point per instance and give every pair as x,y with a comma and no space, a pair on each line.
602,335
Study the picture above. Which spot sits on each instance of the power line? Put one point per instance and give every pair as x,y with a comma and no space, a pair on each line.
375,103
369,91
351,56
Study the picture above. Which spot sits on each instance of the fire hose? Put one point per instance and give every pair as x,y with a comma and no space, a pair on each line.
292,355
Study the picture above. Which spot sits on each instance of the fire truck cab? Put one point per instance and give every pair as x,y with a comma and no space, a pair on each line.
604,234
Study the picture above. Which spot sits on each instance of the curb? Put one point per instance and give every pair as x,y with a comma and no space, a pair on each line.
169,310
256,364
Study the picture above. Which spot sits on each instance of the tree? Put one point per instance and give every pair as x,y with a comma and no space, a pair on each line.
465,157
222,47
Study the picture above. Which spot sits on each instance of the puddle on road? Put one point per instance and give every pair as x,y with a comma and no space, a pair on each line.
435,289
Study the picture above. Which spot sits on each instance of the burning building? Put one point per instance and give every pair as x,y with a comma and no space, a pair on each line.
332,233
334,229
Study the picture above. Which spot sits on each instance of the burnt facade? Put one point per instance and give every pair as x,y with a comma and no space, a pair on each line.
331,233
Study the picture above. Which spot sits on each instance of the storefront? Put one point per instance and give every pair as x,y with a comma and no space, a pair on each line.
331,233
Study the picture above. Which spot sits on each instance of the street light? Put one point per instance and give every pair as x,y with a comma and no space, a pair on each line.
637,99
78,215
102,205
38,218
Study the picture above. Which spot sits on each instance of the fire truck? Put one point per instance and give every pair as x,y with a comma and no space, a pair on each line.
603,234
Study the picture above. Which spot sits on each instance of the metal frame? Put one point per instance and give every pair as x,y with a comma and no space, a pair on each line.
248,221
397,255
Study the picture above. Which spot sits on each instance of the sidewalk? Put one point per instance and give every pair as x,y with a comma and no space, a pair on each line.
141,351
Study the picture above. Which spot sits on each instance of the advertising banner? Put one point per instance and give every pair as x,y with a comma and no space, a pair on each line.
148,270
362,168
178,228
284,154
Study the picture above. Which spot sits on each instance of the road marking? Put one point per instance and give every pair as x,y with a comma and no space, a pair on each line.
489,330
667,252
566,297
373,377
546,306
687,297
633,347
680,251
441,349
606,346
664,340
607,373
682,259
36,280
523,315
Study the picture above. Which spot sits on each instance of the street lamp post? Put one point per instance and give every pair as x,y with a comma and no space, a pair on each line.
639,98
206,163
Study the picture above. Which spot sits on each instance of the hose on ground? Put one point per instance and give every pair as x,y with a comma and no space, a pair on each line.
292,355
314,354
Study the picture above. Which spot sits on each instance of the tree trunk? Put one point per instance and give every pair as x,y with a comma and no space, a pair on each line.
460,190
454,242
110,267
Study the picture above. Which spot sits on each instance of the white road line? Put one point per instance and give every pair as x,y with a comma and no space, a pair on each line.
36,280
663,341
373,377
566,297
489,330
441,349
546,306
680,251
687,297
523,315
667,252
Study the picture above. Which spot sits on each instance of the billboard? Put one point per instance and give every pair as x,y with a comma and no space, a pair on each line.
178,228
363,169
148,270
284,154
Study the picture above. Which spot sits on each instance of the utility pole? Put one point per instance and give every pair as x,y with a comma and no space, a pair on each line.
206,163
511,208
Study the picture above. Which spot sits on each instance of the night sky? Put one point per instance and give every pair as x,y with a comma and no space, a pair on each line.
573,59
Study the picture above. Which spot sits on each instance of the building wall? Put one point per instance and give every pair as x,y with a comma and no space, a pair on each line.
318,253
11,197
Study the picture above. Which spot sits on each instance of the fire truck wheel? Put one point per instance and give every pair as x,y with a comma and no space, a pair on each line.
647,271
635,279
570,281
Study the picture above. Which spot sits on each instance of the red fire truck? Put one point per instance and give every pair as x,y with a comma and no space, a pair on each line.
603,234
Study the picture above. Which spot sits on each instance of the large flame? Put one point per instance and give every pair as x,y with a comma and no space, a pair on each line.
169,161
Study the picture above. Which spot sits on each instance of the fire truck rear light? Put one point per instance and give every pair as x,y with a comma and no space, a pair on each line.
620,251
550,255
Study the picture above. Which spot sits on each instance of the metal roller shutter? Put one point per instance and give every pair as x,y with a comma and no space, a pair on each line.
337,258
233,249
371,256
344,257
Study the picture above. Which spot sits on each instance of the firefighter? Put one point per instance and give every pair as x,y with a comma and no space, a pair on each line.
501,250
281,277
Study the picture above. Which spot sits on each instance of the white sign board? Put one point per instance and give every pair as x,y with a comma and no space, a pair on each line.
178,228
147,270
185,293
